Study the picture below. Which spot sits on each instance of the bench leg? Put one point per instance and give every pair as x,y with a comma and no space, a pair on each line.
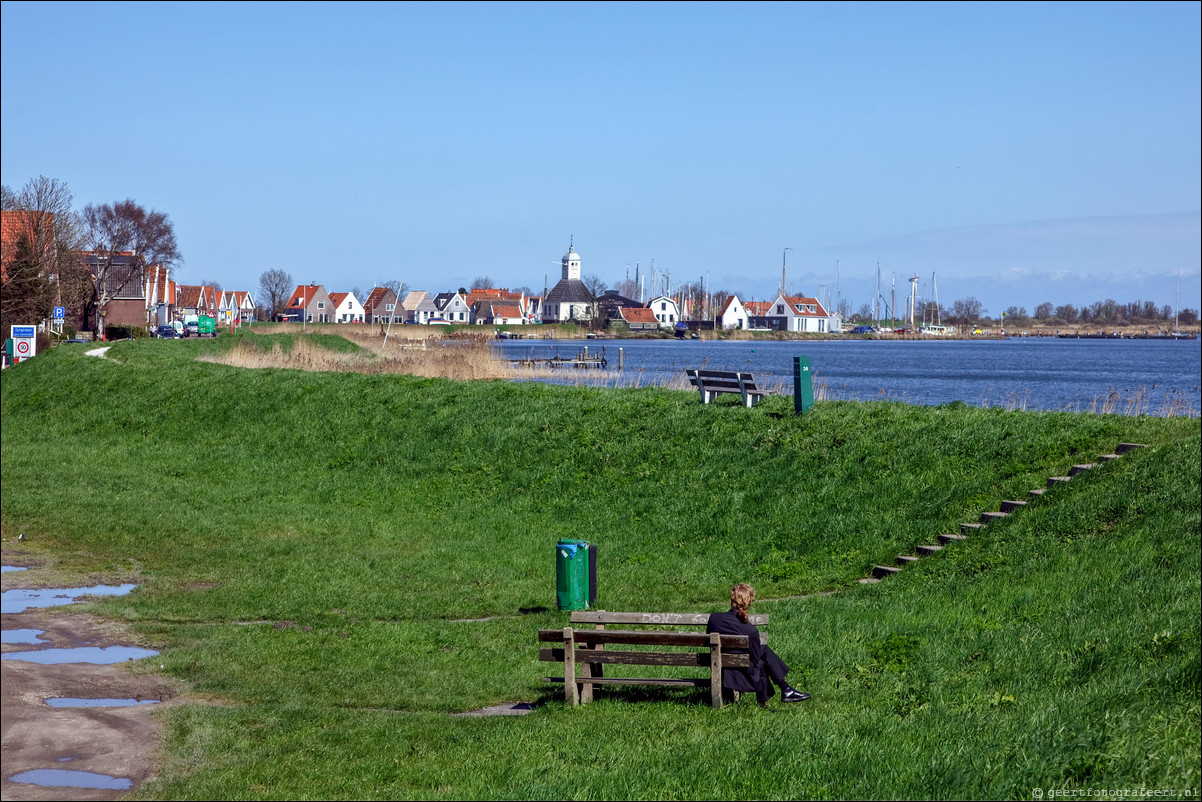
570,691
715,669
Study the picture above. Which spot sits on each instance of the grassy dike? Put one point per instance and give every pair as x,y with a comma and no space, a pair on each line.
372,514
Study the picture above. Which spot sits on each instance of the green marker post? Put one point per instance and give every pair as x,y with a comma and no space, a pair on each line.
803,384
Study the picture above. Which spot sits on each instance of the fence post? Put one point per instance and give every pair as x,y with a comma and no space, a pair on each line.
803,385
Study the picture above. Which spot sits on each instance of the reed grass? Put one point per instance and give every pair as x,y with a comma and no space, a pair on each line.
457,356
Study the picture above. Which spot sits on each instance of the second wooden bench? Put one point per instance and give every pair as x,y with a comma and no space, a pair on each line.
711,383
585,652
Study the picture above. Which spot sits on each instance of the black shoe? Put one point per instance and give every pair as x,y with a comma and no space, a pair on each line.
793,695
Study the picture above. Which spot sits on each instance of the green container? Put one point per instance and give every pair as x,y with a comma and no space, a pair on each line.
572,574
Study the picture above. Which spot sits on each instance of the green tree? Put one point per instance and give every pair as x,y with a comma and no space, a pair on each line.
26,294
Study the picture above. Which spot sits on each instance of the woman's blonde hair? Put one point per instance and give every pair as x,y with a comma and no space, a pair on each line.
741,597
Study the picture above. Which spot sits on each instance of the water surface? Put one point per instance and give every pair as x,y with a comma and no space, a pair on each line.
72,779
22,599
1044,373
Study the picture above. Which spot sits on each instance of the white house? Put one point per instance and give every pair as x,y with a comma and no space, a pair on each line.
347,308
734,315
800,314
665,310
453,307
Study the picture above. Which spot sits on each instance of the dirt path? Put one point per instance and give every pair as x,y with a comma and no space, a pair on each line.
115,741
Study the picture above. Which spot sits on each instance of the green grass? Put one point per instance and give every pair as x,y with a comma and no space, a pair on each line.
371,513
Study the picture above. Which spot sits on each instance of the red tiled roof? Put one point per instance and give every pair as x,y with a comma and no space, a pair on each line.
189,295
637,314
800,305
506,310
493,295
303,294
378,298
758,308
336,298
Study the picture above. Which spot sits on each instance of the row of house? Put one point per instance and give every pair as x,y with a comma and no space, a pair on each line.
146,295
568,301
137,294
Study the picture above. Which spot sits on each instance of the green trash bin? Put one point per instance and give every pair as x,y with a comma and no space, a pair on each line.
572,574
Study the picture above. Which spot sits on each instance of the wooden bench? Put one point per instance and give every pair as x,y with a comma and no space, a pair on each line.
711,383
589,651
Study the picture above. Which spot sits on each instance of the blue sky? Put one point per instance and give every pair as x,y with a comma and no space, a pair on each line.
1020,153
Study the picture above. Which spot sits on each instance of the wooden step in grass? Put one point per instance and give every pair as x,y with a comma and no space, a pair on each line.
1036,493
945,539
1012,506
882,571
1123,448
990,517
1057,480
1076,469
929,550
905,559
968,529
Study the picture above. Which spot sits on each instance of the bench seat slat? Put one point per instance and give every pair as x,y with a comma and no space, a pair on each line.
645,658
696,683
654,619
642,638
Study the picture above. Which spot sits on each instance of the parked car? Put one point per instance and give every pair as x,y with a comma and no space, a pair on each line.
191,329
166,332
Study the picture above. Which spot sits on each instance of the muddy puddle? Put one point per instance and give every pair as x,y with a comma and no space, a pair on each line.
19,600
22,636
94,655
76,724
66,778
69,701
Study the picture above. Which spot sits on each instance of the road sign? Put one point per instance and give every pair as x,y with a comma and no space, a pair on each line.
25,342
60,312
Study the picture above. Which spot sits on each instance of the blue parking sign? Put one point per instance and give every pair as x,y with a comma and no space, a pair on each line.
60,312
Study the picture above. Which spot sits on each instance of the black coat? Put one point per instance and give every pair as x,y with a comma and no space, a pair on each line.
747,680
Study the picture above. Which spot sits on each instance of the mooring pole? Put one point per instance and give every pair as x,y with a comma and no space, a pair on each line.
803,385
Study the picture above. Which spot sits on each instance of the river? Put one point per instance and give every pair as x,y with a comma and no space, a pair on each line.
1124,376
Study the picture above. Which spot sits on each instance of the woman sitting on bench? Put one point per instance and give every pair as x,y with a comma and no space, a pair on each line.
764,662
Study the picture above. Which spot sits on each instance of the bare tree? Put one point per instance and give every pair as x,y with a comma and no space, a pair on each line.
275,288
481,283
967,311
42,213
596,288
114,231
210,283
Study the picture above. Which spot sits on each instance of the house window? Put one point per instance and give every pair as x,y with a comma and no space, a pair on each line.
780,309
321,304
389,307
663,306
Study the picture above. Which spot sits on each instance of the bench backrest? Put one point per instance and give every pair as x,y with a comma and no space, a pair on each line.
642,637
722,380
654,619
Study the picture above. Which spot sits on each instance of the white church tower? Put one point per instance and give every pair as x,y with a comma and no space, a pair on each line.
571,264
569,299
